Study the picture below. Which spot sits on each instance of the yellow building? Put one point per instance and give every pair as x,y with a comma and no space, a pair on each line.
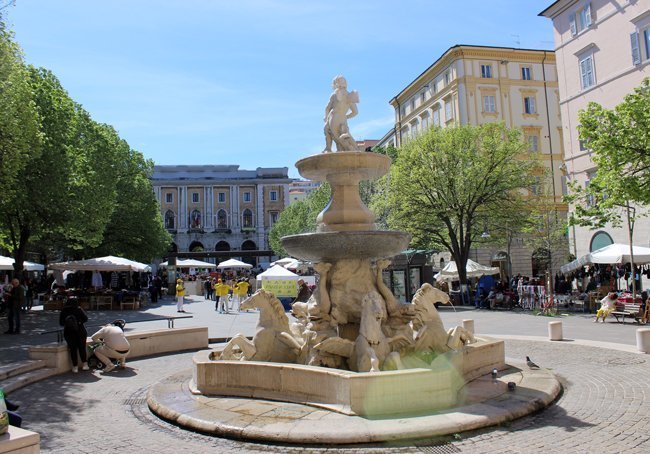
479,84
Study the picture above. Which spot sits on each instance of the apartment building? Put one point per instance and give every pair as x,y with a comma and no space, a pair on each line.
603,53
479,84
220,207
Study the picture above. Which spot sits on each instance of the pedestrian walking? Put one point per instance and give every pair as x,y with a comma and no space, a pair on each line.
15,302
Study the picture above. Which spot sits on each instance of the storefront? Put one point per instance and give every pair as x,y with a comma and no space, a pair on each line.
407,273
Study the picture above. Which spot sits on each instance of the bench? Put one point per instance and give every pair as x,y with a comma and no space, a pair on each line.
632,311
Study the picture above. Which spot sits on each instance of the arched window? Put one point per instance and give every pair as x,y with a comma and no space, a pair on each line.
249,245
169,220
541,260
222,246
247,218
196,246
442,262
600,240
222,219
195,219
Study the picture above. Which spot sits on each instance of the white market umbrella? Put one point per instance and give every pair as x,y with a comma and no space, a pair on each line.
108,263
283,261
190,263
232,263
473,269
616,253
277,272
7,264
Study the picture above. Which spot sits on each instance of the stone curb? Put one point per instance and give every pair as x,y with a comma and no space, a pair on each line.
268,421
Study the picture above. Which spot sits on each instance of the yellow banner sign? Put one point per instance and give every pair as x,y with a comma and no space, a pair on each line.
281,288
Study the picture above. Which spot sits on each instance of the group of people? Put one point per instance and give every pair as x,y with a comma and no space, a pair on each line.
226,295
113,344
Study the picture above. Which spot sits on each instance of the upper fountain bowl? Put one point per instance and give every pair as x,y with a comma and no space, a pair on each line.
355,166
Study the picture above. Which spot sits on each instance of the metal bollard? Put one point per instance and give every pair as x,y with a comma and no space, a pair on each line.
555,331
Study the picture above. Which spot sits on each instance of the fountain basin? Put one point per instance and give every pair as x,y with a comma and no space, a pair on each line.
387,393
357,165
331,246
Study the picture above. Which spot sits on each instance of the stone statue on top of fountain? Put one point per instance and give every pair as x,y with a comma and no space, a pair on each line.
341,107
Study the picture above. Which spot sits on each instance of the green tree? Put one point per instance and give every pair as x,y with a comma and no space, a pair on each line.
299,217
448,185
619,140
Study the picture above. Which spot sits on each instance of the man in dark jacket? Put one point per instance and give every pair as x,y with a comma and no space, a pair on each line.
16,299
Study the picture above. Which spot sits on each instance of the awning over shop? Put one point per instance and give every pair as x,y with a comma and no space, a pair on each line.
616,253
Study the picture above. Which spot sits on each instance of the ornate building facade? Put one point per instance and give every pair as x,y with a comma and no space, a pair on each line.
479,84
220,207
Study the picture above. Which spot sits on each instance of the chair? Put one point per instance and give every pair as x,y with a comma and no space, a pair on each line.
130,301
103,301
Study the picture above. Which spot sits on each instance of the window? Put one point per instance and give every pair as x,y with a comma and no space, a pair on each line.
273,196
486,71
273,218
636,48
169,197
587,78
195,219
247,196
169,219
525,73
221,197
533,143
449,113
423,97
489,105
424,121
535,188
447,78
646,40
412,105
195,197
580,20
222,219
415,127
529,105
247,219
436,117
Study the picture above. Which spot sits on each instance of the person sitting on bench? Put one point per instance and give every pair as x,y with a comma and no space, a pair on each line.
607,305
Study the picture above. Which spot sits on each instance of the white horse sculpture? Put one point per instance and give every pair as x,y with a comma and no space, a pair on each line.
273,340
430,333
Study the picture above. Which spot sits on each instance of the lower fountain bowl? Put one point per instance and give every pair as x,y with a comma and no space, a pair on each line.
329,246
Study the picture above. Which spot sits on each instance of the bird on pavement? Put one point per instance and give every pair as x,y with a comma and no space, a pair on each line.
531,364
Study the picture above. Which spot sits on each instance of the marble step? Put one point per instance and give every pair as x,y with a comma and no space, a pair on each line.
19,381
13,369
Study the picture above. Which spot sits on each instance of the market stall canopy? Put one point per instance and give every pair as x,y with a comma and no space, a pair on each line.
616,253
232,263
7,264
190,263
108,263
277,272
473,269
283,261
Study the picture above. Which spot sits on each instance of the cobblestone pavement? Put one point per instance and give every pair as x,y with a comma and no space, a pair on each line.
605,408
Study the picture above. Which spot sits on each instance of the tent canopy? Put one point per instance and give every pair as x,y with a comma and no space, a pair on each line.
283,261
190,263
277,272
232,263
108,263
616,253
473,269
7,264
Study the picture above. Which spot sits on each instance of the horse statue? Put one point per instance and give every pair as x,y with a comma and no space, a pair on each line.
372,351
430,333
273,340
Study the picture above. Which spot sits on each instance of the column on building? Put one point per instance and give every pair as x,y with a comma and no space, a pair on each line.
259,205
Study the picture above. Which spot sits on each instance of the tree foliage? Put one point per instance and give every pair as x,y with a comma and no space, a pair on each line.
448,185
299,217
619,140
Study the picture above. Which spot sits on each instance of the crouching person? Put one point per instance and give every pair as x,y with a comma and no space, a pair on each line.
115,345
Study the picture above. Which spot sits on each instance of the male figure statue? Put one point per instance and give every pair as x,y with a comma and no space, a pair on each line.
337,115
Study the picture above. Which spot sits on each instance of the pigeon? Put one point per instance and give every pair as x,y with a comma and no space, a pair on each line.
531,364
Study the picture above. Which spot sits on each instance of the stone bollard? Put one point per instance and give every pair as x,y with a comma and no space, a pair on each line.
555,331
643,340
468,324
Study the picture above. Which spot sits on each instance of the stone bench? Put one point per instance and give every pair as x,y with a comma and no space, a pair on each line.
20,441
143,343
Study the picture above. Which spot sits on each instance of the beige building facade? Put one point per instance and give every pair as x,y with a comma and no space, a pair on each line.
603,53
479,84
220,207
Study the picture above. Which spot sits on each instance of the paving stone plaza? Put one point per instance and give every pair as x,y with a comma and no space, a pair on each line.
604,406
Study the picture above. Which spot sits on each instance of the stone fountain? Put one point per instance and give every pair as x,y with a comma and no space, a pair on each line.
354,349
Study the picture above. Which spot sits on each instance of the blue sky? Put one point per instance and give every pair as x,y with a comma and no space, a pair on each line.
246,81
